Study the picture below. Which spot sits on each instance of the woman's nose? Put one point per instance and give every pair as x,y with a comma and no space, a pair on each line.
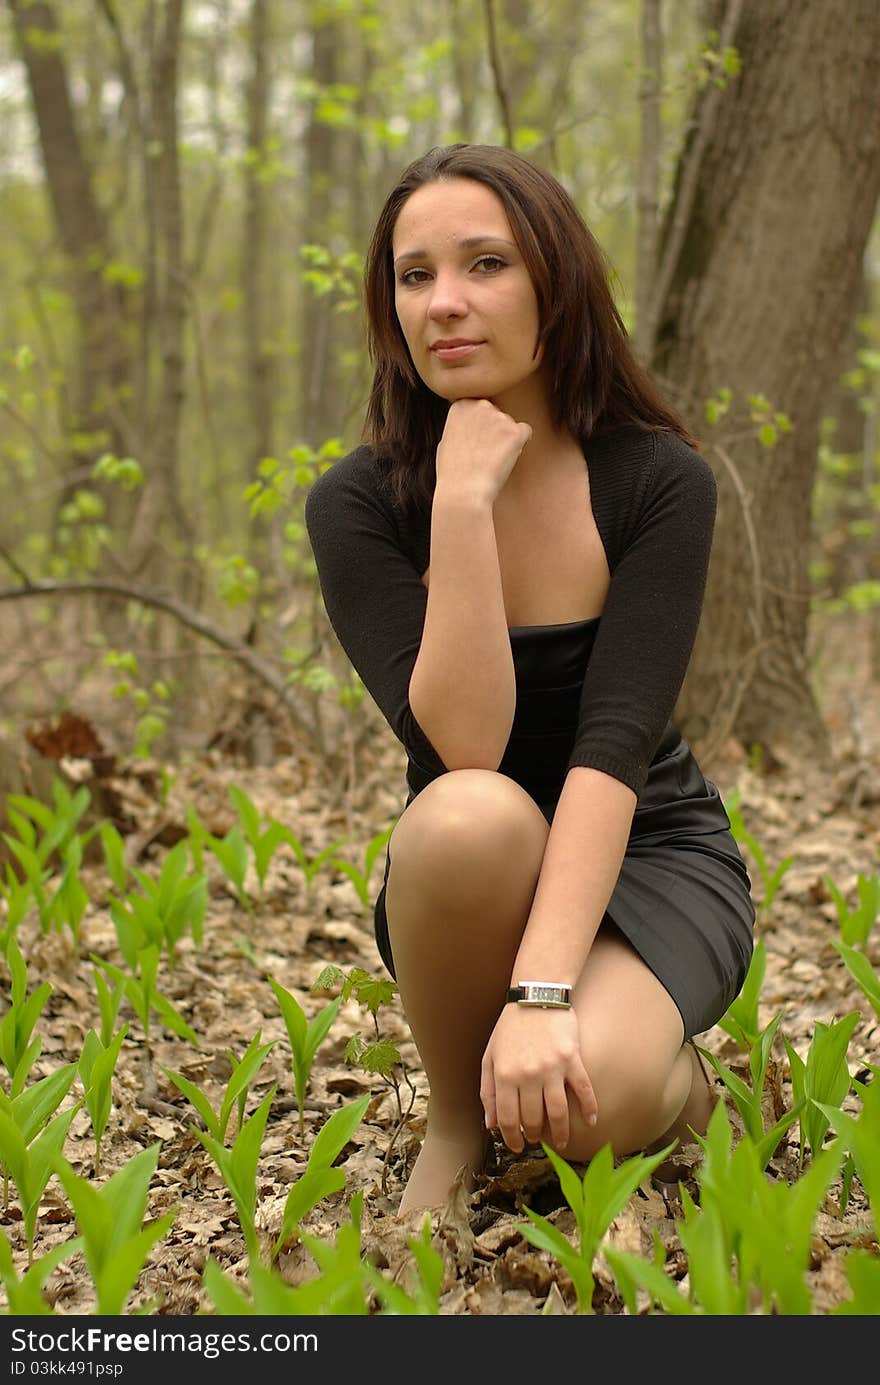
447,296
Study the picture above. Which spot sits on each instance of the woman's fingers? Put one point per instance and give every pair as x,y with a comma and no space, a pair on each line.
556,1106
508,1117
579,1081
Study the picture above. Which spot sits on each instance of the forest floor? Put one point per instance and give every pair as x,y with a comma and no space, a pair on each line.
827,822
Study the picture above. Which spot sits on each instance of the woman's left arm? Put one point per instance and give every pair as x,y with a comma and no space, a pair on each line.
534,1054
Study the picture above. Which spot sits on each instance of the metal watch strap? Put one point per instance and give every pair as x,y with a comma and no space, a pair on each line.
547,994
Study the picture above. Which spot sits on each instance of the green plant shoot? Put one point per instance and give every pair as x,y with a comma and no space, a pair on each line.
243,1073
306,1037
110,1219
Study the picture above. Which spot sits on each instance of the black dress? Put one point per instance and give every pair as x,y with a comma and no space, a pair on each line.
683,896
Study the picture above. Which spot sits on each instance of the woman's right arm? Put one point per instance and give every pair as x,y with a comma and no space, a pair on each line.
463,685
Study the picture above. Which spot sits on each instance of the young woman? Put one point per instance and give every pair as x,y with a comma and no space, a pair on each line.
514,562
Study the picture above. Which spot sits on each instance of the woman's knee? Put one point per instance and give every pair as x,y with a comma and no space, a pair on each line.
629,1086
468,827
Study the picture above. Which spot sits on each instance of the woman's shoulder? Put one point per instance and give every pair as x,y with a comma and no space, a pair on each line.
352,483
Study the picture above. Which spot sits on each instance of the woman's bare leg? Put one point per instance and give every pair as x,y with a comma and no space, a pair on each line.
465,860
463,874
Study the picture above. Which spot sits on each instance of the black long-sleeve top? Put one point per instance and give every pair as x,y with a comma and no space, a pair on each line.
653,498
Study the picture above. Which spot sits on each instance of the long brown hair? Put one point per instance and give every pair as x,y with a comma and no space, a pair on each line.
596,381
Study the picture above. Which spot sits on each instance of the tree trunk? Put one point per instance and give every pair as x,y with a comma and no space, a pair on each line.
762,292
259,372
160,499
99,423
321,387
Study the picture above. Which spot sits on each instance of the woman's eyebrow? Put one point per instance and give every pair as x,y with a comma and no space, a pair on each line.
462,244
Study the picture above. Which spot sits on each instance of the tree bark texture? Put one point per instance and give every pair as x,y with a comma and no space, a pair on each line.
104,371
762,295
160,499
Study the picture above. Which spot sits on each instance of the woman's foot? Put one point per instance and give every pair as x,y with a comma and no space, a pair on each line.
439,1162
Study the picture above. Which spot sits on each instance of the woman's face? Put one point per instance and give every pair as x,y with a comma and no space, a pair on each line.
446,290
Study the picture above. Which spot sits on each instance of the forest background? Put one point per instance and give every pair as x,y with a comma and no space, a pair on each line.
186,192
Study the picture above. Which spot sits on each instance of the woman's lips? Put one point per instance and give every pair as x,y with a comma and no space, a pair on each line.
454,353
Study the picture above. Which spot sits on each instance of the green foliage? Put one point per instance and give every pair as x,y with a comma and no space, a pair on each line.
18,897
748,1244
306,1037
238,1167
861,1137
823,1078
97,1064
856,925
426,1280
863,1273
110,1219
163,912
320,1178
595,1201
263,843
31,1164
149,703
44,832
243,1074
741,1021
18,1050
230,851
109,1001
860,969
142,994
24,1294
748,1100
311,865
361,879
772,878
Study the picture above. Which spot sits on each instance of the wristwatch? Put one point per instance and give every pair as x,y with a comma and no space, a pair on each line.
548,994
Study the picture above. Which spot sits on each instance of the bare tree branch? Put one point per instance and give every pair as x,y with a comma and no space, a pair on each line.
495,64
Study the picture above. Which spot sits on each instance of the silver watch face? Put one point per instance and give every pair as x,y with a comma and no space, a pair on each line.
545,992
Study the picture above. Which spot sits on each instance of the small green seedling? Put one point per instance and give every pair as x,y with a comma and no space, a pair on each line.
861,1137
19,897
238,1167
114,856
18,1049
823,1078
341,1289
97,1064
861,971
856,926
306,1037
321,1178
109,1001
24,1295
361,879
310,865
32,1165
161,915
243,1074
144,997
31,1109
749,1100
426,1280
771,878
596,1201
741,1020
263,843
110,1219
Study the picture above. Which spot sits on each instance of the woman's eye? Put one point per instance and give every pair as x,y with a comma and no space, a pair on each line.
492,260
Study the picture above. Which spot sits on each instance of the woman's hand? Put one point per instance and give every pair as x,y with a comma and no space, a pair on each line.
532,1056
479,448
